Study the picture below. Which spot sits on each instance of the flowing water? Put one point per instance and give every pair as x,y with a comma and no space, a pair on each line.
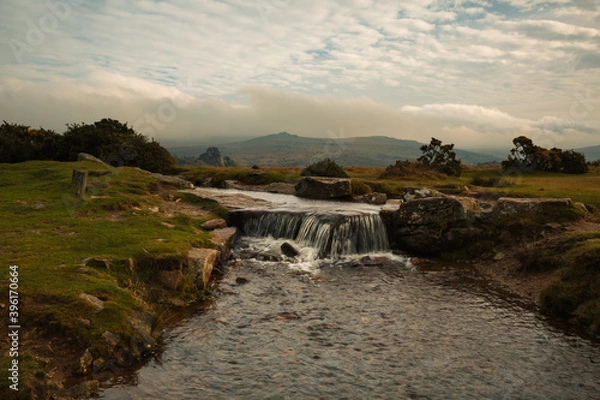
334,322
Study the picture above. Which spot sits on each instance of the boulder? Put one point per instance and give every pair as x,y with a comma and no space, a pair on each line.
434,211
371,198
323,188
89,157
175,181
506,206
224,239
428,225
93,301
412,193
201,263
288,250
213,224
280,187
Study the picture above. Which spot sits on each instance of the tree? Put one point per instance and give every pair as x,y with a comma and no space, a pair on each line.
522,156
573,162
527,157
20,143
118,145
440,157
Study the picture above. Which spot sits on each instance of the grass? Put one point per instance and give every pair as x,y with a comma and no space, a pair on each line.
247,176
48,232
575,290
489,181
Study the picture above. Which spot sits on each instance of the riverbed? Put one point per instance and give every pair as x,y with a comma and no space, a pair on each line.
363,326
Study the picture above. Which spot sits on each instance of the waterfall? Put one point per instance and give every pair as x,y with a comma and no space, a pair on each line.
333,234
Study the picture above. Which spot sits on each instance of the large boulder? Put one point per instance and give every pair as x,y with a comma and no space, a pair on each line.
224,239
428,225
506,206
324,188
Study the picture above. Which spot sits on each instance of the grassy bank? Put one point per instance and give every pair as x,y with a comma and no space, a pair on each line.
105,245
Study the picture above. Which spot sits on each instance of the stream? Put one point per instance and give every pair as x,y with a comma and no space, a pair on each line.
355,321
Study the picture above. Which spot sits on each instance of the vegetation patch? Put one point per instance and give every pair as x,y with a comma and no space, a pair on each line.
326,168
108,244
215,176
574,293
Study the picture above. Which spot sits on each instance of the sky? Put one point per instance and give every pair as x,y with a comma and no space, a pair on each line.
474,73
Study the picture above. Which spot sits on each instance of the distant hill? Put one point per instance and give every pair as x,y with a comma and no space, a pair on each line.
591,153
288,150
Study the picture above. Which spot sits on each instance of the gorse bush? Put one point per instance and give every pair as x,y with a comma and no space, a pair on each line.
326,167
527,157
110,140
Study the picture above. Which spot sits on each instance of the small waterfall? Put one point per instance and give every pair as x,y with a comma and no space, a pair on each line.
334,235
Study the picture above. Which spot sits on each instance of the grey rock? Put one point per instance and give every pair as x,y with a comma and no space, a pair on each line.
372,198
323,188
412,193
201,263
224,239
288,250
280,187
175,181
95,302
89,157
216,223
506,206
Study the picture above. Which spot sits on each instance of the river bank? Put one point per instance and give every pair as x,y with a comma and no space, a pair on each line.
100,275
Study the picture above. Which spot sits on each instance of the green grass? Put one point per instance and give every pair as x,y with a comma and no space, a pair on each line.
48,232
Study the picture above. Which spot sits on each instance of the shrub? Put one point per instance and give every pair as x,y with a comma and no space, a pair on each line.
410,170
326,167
441,157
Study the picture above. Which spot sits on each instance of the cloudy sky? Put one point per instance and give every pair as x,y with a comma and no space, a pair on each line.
475,73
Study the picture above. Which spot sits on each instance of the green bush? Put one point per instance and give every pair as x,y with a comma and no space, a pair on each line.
326,167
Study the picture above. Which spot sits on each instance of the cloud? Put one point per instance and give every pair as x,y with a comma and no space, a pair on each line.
474,72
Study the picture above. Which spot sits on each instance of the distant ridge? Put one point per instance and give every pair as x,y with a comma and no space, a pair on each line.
284,149
591,153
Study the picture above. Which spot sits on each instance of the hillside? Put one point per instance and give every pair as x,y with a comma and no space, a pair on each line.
288,150
591,153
